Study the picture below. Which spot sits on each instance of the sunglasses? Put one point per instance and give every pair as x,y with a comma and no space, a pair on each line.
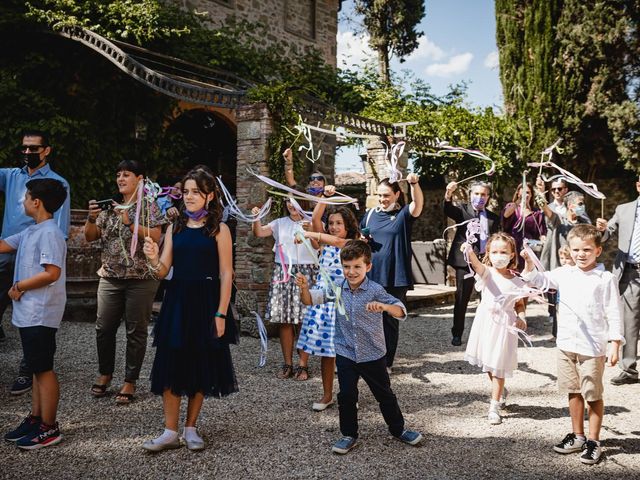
557,189
30,148
314,178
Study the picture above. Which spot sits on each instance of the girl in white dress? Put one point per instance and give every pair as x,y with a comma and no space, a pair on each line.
493,341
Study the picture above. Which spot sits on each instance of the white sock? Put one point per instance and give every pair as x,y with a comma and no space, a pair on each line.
169,436
581,437
494,406
191,434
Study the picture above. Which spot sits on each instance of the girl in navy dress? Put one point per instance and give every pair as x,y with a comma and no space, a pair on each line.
318,325
194,329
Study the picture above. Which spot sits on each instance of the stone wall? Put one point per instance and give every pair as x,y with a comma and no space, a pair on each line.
254,258
298,24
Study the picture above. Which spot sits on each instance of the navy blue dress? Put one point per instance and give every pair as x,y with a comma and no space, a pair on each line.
190,358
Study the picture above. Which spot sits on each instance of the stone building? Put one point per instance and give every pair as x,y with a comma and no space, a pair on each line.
296,24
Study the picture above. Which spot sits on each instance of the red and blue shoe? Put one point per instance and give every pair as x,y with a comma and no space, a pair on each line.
27,427
45,436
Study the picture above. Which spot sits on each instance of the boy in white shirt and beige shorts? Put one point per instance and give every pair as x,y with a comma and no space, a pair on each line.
589,316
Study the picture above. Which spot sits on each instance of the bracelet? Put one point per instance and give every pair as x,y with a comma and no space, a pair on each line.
414,183
15,285
220,315
91,220
319,236
155,268
127,224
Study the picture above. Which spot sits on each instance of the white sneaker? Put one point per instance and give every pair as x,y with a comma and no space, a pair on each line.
494,417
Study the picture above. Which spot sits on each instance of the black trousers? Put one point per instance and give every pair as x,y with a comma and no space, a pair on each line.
464,287
552,298
375,375
391,325
7,263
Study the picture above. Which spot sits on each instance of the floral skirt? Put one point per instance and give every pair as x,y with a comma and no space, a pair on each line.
284,304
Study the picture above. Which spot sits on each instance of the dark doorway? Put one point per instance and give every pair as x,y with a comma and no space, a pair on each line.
209,140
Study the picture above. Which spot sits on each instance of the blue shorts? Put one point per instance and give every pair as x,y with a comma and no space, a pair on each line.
38,347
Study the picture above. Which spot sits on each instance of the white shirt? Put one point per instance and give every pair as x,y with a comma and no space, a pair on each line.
39,245
589,308
283,231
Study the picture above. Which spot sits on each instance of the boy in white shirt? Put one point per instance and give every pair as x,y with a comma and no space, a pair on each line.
589,315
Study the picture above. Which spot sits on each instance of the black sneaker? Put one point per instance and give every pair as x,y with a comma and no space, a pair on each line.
2,334
21,385
623,379
45,436
569,444
28,426
456,341
592,453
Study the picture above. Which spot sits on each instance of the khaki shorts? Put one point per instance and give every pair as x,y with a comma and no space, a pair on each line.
581,374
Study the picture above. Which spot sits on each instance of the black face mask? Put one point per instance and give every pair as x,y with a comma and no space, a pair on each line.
32,160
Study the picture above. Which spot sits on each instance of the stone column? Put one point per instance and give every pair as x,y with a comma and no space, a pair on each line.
254,257
376,168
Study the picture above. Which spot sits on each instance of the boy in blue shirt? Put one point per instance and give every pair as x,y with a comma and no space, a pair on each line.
39,298
360,345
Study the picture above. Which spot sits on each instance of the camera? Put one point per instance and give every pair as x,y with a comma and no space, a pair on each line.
106,204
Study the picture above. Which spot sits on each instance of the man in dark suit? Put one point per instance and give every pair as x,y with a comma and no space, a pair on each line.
626,220
479,193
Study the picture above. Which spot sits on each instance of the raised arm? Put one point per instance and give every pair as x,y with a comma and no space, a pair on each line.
257,228
476,264
417,197
288,167
326,239
450,210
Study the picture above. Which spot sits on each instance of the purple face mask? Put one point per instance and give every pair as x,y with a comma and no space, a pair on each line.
315,190
478,202
199,215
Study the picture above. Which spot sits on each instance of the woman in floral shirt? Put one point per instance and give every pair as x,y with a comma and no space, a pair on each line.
127,286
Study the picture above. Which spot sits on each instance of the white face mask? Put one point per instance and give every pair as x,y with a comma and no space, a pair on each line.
393,206
500,260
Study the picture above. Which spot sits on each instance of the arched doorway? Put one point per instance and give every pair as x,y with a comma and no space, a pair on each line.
210,140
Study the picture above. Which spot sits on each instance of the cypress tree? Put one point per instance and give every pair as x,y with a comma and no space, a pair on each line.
392,28
568,68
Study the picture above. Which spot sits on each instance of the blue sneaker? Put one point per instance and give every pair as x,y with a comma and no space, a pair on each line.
29,425
45,436
344,445
410,437
21,385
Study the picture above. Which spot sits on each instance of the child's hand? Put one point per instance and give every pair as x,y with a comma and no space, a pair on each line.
615,348
521,324
301,281
329,191
375,307
464,247
14,294
220,324
150,248
288,157
255,210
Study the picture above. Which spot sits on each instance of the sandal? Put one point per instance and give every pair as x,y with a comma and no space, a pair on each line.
286,371
123,398
99,390
302,373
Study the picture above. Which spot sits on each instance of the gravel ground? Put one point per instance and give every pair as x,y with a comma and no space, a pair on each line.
269,431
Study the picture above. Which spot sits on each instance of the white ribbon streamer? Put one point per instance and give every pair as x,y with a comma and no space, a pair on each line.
234,210
394,172
588,188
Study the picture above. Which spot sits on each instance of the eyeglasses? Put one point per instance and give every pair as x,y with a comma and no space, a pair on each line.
557,189
315,178
30,148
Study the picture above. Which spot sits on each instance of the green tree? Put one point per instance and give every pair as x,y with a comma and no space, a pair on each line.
392,28
569,69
